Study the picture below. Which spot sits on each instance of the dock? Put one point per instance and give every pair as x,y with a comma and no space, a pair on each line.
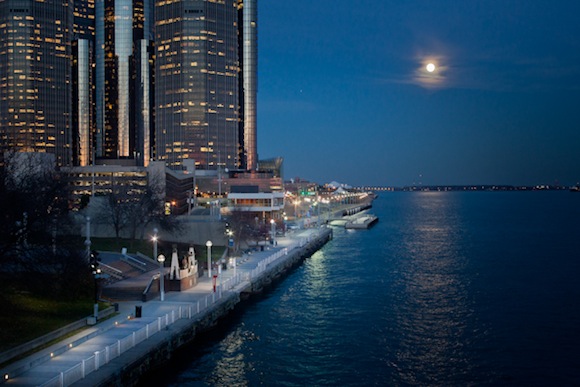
361,222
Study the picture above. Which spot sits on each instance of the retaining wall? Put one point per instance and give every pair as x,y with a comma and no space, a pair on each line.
129,369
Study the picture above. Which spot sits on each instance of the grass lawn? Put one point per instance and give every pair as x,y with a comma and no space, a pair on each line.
114,244
146,247
25,317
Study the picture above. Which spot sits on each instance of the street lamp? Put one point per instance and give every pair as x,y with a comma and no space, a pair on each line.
209,245
94,263
155,231
273,231
161,259
88,240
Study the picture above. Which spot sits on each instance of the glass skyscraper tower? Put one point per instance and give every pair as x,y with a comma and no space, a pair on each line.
197,83
83,82
123,79
248,55
36,76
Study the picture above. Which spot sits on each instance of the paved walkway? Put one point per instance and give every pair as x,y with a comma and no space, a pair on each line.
80,355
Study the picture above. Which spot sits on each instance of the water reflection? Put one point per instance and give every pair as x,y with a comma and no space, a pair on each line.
433,305
230,369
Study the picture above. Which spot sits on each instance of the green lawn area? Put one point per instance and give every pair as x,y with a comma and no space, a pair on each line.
146,247
114,244
25,317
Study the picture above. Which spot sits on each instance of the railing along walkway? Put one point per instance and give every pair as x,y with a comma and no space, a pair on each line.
190,311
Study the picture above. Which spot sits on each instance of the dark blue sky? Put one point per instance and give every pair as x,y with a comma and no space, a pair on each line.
344,94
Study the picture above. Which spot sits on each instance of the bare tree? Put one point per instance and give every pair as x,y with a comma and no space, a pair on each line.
114,210
244,228
34,204
134,212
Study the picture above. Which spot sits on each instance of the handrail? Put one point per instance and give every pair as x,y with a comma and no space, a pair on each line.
148,287
112,271
134,262
145,257
110,352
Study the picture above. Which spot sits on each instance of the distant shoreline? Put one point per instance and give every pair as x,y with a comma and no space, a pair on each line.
465,188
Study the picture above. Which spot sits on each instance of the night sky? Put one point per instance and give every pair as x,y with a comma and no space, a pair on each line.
344,93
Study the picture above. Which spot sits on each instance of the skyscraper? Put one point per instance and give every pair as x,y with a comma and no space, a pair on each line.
248,54
83,87
77,80
196,88
35,77
123,79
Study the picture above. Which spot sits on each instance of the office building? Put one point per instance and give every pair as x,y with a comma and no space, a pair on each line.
196,88
248,57
123,79
36,77
83,88
91,80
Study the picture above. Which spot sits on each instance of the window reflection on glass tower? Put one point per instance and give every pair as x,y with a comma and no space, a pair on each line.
83,86
35,77
123,78
196,88
248,57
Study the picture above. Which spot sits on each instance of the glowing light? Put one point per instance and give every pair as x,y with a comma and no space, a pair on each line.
430,67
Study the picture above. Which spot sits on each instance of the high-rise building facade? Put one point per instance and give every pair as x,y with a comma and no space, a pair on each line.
130,79
248,55
36,76
123,78
83,87
196,83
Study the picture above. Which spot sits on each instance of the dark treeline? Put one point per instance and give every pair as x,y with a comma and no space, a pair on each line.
35,208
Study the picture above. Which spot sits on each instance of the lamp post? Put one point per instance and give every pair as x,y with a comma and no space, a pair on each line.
94,262
161,259
88,240
209,245
273,231
154,239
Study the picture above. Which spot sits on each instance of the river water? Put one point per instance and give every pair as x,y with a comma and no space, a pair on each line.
455,288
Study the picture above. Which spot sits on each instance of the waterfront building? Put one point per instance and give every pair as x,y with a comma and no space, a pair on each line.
261,205
186,187
36,77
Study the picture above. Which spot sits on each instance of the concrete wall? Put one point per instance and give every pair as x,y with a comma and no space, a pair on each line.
134,365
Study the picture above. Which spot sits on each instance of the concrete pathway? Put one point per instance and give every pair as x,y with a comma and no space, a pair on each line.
78,356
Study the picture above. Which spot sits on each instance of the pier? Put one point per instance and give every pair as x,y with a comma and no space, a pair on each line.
357,220
361,222
144,335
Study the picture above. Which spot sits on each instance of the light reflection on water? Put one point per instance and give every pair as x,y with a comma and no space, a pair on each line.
433,304
447,289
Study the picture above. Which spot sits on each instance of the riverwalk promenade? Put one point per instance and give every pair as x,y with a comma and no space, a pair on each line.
119,350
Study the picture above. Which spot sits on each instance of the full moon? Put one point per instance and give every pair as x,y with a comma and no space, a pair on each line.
430,67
